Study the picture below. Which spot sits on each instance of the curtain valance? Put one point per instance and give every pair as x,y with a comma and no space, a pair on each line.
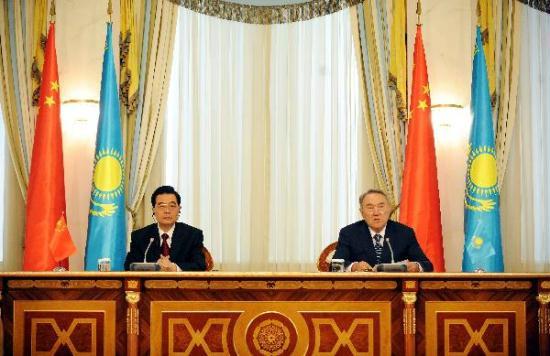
268,13
541,5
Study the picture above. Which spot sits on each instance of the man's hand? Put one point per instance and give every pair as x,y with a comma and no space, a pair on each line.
413,267
166,265
361,267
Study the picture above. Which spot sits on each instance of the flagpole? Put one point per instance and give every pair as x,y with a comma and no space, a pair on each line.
110,10
418,12
52,12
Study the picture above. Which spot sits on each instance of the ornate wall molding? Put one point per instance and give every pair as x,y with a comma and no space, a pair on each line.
541,5
266,15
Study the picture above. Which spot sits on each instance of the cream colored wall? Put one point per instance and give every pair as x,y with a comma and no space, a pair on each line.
448,34
80,40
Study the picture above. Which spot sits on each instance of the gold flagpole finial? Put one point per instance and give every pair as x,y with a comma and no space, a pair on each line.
418,12
110,10
52,11
478,11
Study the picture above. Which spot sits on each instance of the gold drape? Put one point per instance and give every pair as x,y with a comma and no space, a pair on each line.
398,56
384,128
40,30
486,22
155,28
21,33
507,74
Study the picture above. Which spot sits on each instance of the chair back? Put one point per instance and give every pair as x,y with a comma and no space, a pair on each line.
323,262
208,259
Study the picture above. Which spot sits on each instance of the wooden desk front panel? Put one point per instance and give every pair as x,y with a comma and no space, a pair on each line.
285,314
255,317
54,316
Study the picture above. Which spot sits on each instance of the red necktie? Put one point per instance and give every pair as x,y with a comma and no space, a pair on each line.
165,248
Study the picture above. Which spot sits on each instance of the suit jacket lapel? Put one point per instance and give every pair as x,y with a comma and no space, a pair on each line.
367,244
177,240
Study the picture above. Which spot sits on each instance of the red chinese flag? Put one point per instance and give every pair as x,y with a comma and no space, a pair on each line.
48,242
420,194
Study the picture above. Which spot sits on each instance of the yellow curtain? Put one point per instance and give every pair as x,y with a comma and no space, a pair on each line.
507,79
398,56
22,29
384,128
148,32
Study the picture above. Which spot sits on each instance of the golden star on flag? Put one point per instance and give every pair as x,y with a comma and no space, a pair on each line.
55,86
49,101
422,105
426,89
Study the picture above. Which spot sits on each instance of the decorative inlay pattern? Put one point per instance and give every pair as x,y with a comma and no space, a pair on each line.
271,334
64,284
460,327
45,327
479,285
270,327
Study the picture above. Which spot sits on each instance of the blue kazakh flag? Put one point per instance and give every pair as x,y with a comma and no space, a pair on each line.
482,245
106,219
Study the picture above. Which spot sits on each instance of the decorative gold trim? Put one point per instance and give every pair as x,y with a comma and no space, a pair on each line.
317,285
20,284
132,297
266,15
224,284
193,284
287,285
409,313
161,284
545,284
254,285
518,285
380,285
476,285
409,297
544,313
349,285
108,284
132,284
543,298
64,284
410,285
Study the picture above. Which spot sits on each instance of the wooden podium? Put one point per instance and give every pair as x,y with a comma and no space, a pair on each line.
220,313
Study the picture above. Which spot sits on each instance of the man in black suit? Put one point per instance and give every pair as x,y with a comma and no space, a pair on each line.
376,239
174,246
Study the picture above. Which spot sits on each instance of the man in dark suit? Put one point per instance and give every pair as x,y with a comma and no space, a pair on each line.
376,239
174,246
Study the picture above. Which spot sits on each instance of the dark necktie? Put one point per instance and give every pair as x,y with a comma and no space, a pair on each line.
378,247
164,247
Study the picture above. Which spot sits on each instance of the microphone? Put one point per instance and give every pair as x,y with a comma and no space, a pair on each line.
147,249
145,266
391,249
391,267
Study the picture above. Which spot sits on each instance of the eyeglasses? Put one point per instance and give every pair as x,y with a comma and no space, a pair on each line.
170,206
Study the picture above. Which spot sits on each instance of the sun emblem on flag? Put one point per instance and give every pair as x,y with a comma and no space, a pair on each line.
481,179
108,180
477,242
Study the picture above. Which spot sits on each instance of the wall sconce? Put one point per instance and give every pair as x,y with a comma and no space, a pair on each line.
79,118
447,115
80,110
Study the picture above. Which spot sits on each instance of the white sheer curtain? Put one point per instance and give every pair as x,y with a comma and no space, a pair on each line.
526,203
3,155
264,138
